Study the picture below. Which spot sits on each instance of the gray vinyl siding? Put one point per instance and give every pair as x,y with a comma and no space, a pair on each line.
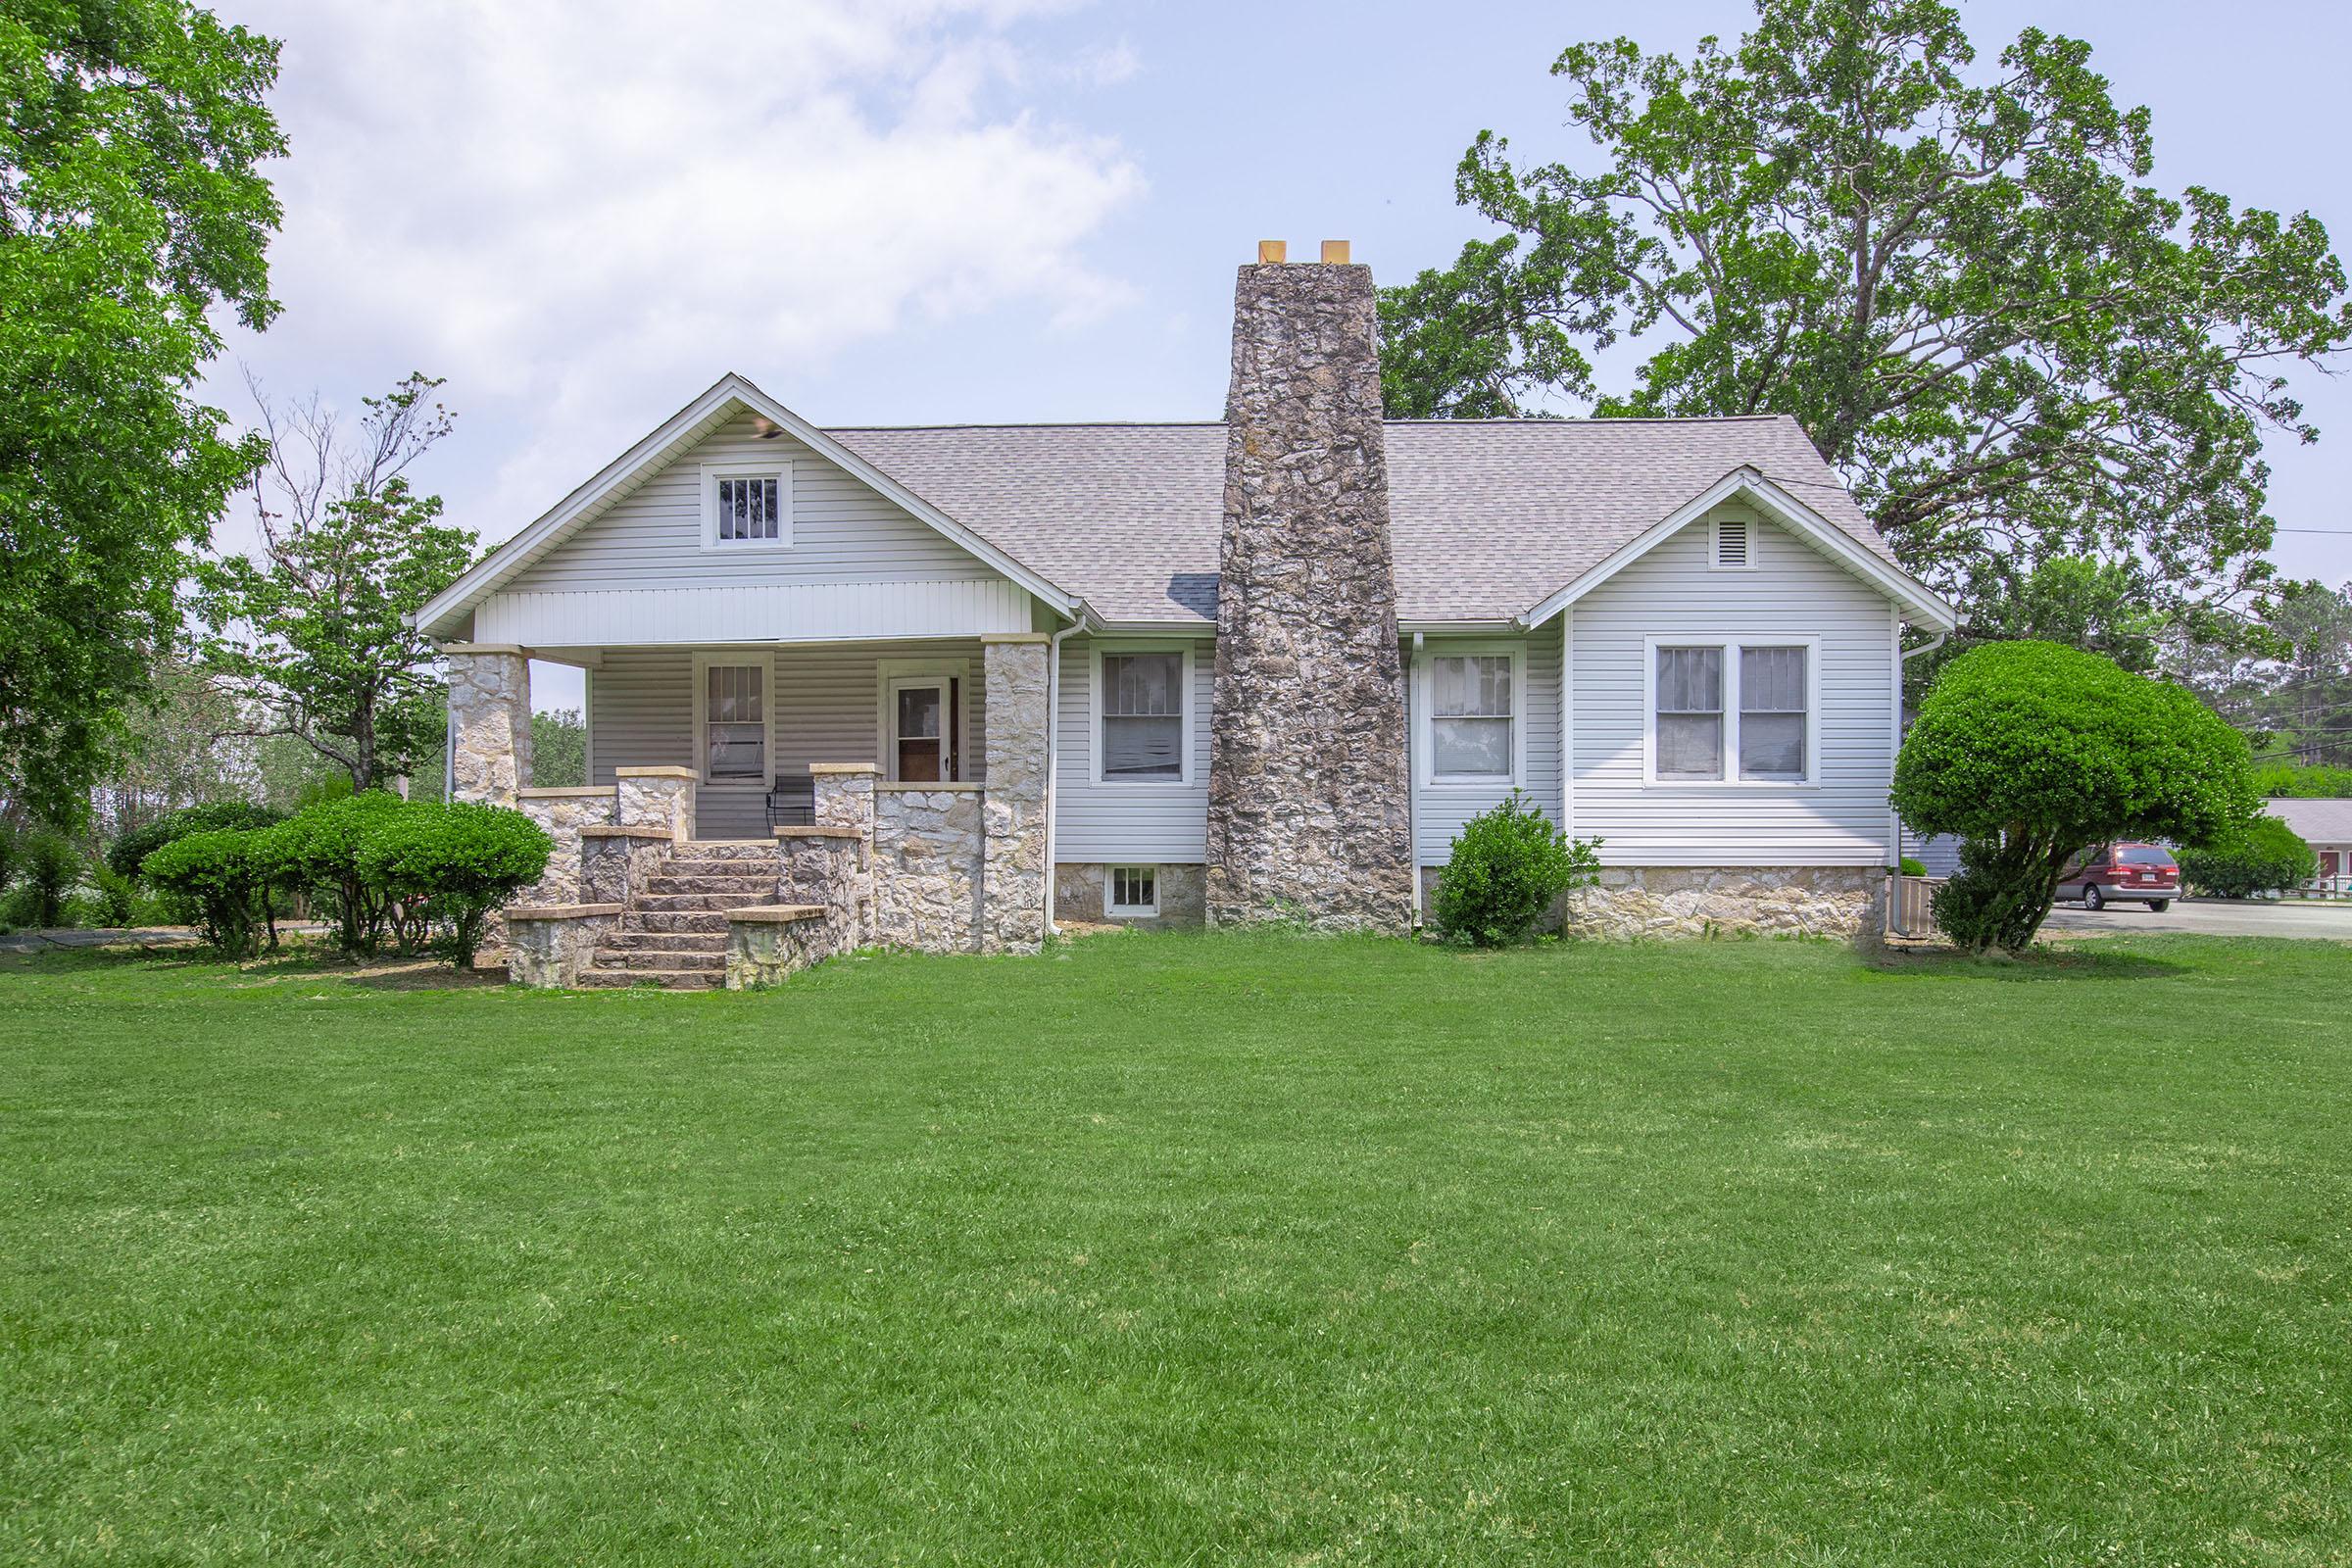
1842,817
1143,823
842,532
1441,810
825,708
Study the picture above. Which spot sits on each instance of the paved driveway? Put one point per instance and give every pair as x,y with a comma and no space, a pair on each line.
2213,919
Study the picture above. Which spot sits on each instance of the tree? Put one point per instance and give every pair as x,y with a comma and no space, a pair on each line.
1956,280
319,632
2031,752
559,750
179,745
131,203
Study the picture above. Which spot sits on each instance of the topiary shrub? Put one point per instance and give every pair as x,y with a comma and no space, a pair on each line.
51,864
1911,867
1507,867
129,851
455,864
319,850
2031,752
117,901
224,876
2265,856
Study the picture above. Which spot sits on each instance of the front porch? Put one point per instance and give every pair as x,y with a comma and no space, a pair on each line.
886,794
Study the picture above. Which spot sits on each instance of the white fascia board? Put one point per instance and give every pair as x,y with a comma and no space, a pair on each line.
1920,604
729,392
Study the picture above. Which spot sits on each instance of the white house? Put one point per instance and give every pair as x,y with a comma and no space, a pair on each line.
948,685
2327,826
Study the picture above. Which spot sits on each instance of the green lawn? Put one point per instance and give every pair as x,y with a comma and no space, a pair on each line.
1188,1250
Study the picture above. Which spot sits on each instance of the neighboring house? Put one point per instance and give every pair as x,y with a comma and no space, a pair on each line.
980,653
2327,826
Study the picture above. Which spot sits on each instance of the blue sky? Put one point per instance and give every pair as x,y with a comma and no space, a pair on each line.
917,211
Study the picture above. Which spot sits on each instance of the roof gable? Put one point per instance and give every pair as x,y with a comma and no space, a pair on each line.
727,398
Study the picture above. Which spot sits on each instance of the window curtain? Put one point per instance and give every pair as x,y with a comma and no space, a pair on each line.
1142,716
1470,716
1689,716
1772,713
735,720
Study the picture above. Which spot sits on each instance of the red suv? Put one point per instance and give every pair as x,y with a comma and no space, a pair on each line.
2146,872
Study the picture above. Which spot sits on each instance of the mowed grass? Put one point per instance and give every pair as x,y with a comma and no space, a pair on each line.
1168,1249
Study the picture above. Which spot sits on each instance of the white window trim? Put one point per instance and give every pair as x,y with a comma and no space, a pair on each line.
892,674
779,470
1093,703
1132,911
1731,643
703,664
1424,705
1715,541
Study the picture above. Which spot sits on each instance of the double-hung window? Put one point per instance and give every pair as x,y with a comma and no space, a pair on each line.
1470,716
734,722
1143,720
1731,711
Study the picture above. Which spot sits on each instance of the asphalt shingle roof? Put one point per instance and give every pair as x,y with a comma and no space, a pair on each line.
1487,517
2325,821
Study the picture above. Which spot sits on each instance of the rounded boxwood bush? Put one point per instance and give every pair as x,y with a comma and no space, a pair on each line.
2262,857
225,875
319,850
51,865
1507,867
129,851
455,864
2031,752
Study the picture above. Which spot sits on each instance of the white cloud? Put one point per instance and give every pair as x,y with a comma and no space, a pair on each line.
559,204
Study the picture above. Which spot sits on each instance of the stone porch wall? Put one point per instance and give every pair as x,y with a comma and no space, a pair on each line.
564,813
1846,903
929,861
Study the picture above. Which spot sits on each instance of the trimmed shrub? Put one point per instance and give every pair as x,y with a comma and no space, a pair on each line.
1911,867
1507,867
51,865
2031,752
455,864
129,851
2264,856
319,850
116,897
225,875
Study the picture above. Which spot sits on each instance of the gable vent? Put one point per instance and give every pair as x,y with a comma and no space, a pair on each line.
1731,541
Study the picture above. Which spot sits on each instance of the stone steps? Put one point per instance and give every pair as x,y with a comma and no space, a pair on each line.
745,889
684,903
665,979
644,959
667,921
663,942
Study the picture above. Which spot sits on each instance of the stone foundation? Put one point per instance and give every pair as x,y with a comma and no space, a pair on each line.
1846,903
1078,888
831,868
770,944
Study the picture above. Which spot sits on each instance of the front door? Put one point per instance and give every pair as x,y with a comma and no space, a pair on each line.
922,739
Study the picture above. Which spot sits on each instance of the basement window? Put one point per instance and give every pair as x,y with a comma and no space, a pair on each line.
1133,889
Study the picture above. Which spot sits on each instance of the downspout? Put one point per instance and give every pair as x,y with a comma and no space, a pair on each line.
1412,784
1053,753
1902,659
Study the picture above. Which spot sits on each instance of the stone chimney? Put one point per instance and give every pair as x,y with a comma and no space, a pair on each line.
1307,780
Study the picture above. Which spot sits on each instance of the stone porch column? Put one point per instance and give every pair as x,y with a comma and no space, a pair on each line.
1012,818
490,720
655,796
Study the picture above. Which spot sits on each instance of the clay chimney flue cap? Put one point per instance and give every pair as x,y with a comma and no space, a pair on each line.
1335,253
1273,252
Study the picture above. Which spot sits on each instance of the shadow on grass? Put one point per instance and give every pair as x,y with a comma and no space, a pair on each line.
295,960
2041,963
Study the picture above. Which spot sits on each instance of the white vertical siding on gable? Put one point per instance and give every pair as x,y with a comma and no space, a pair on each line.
1441,810
1839,820
841,532
1159,824
826,708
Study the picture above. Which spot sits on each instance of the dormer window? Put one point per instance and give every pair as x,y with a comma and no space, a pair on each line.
746,506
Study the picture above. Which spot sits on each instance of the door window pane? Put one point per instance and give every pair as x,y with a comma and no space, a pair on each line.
1689,718
922,711
1142,716
735,721
1772,713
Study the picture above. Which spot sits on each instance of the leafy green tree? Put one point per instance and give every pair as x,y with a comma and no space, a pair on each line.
558,750
2031,752
2280,781
318,633
1956,279
132,204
